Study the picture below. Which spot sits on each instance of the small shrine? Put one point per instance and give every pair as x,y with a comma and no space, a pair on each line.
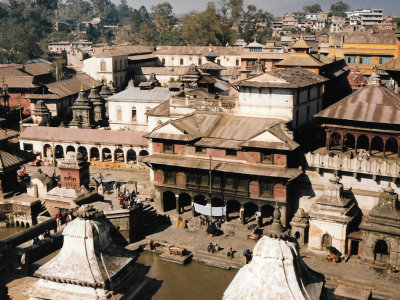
99,107
332,217
381,230
300,225
276,271
90,265
74,170
82,112
41,115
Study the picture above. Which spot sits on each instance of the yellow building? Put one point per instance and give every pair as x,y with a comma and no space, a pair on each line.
364,50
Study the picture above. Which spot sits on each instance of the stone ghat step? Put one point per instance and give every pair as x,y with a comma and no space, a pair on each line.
217,259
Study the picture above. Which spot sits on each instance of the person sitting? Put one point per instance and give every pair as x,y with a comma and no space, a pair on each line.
216,248
210,247
229,252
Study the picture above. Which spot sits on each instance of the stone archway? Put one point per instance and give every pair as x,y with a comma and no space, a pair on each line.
47,151
70,149
119,155
185,202
267,212
143,154
82,150
363,143
131,156
59,151
200,199
377,145
335,141
106,154
94,153
326,241
391,147
349,142
381,252
232,209
250,210
169,201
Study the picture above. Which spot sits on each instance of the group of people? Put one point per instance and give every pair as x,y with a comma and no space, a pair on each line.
41,237
68,218
125,197
211,248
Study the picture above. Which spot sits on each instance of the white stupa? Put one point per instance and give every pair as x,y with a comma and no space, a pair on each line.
275,272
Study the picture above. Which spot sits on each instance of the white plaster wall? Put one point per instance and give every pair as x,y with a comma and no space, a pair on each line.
320,227
174,60
266,102
155,121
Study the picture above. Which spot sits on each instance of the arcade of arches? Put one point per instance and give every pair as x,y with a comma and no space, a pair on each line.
379,145
96,153
246,211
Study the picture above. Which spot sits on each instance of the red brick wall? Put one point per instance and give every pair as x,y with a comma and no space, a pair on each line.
13,101
159,176
53,206
280,192
190,150
70,179
280,159
179,149
158,147
254,189
251,157
180,180
216,152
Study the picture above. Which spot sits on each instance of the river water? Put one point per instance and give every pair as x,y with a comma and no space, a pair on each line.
190,282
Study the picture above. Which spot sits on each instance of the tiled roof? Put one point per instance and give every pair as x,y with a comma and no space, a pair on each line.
15,159
300,44
287,78
120,51
72,86
160,110
168,71
20,82
372,103
83,136
37,68
393,65
300,60
157,94
6,134
388,38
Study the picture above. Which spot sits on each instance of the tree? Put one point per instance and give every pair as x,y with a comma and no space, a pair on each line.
339,8
312,9
164,18
125,12
254,20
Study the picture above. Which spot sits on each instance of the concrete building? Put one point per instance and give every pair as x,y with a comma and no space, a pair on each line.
127,109
293,95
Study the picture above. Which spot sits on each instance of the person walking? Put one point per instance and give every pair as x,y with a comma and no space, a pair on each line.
101,178
245,256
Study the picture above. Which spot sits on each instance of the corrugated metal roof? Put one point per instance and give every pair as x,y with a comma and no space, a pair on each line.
165,71
372,103
20,82
90,136
393,65
11,70
161,110
231,167
388,38
141,57
72,86
157,94
120,51
37,68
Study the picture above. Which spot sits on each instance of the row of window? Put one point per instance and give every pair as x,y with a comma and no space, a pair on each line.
221,183
366,60
117,65
265,158
133,113
199,61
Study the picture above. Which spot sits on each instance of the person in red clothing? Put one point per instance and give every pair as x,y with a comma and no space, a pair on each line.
58,219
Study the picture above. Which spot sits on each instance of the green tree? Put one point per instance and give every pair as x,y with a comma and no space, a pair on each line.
164,18
125,12
254,20
312,9
339,8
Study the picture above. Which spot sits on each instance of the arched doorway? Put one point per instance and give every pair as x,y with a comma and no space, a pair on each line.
82,150
250,212
169,201
131,156
142,154
391,147
349,142
326,241
377,145
106,154
47,151
381,251
363,142
119,155
200,199
335,142
185,202
94,154
70,149
267,212
59,151
232,209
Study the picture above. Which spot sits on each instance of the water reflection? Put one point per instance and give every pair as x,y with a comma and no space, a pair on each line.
6,232
192,281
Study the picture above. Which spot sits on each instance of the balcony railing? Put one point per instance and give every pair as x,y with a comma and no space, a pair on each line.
373,166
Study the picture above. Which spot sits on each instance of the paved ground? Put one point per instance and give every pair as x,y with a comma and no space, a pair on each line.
383,285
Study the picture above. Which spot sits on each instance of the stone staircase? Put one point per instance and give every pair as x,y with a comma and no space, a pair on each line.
218,259
153,221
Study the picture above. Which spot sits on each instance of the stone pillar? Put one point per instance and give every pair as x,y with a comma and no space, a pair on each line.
283,215
241,213
259,218
113,155
193,211
126,156
178,208
101,154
